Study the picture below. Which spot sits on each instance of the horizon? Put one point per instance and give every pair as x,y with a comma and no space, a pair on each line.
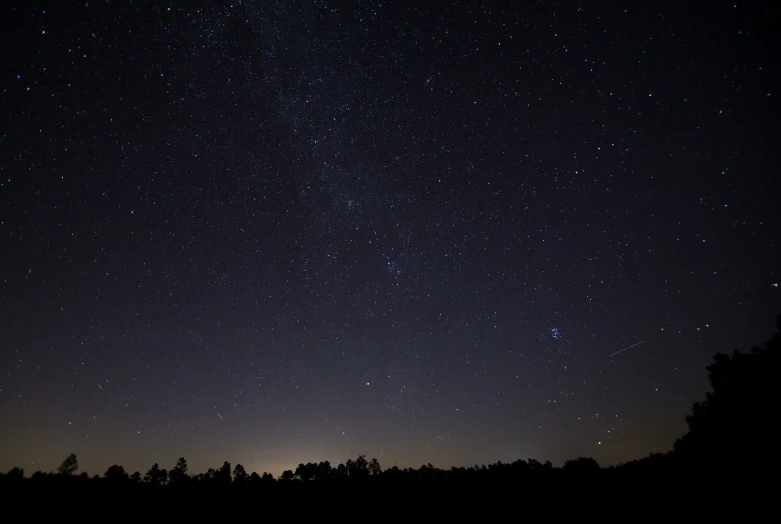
192,471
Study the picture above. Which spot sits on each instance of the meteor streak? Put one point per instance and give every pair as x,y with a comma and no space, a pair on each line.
220,416
628,347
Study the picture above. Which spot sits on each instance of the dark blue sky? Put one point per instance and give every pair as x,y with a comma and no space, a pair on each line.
409,231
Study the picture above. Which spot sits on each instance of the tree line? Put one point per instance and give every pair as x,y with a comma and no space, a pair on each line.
359,468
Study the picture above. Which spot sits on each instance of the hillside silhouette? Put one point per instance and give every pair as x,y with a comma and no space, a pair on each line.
716,468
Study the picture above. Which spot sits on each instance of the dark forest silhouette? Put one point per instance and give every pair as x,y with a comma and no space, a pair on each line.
726,451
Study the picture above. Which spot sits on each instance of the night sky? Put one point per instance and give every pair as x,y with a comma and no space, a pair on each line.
281,232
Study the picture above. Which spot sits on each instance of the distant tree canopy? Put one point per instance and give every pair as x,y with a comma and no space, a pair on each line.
358,467
737,417
582,465
310,471
15,474
116,473
351,470
155,475
287,475
69,466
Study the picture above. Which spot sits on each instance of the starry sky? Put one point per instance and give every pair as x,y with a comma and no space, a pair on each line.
277,232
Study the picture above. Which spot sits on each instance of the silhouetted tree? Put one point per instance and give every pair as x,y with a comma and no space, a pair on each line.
69,465
304,472
135,477
519,468
239,474
358,467
733,426
374,467
223,475
267,478
536,465
287,475
427,470
361,465
15,474
179,472
115,473
155,475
